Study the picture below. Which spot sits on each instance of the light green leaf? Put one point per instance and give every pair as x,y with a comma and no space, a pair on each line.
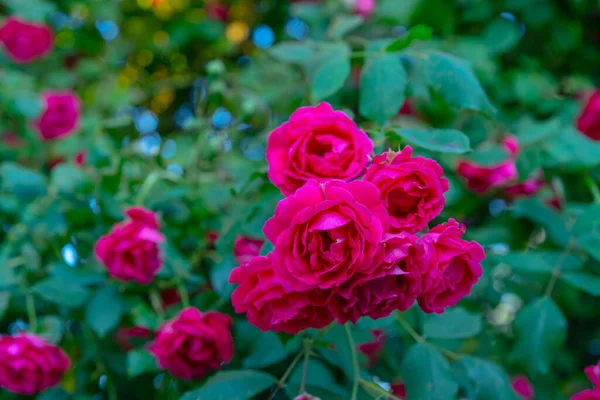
490,380
62,293
419,32
541,330
501,35
343,24
266,350
571,149
140,362
441,140
103,312
540,261
529,161
293,52
69,179
232,385
21,181
427,375
453,79
587,230
382,85
455,323
330,76
492,155
583,281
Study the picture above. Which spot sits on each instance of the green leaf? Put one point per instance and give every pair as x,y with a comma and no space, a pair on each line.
103,312
583,281
456,323
60,292
330,76
587,230
219,276
555,225
453,79
540,261
232,385
50,327
82,275
492,155
419,32
293,52
572,149
144,316
529,161
342,24
427,374
21,181
320,382
501,35
382,85
266,350
69,179
541,330
4,302
441,140
490,380
140,362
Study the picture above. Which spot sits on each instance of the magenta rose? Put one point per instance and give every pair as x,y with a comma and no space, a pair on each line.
412,188
270,305
393,285
373,349
62,111
29,364
364,8
588,121
523,387
130,251
25,42
245,248
593,374
317,143
193,343
126,338
453,269
325,233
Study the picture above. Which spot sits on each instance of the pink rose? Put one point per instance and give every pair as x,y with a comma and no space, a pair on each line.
125,337
393,285
130,251
398,389
593,374
455,267
412,188
270,305
317,143
588,121
62,111
29,364
373,349
25,42
481,178
523,387
194,343
527,188
325,233
245,248
364,8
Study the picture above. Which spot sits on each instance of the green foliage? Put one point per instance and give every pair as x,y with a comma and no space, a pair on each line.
427,374
232,385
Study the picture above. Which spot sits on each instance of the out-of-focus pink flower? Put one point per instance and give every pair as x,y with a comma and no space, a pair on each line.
523,387
588,121
25,42
373,349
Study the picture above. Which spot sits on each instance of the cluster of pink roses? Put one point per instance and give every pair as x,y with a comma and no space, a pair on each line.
593,374
346,248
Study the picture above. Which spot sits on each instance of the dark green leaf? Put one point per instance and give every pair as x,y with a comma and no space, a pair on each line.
529,161
501,35
382,85
60,292
540,328
489,379
555,225
266,350
587,282
219,276
441,140
572,149
4,301
82,275
453,79
419,32
50,328
330,76
21,181
587,230
455,323
232,385
69,179
140,362
319,379
103,312
342,24
427,375
540,261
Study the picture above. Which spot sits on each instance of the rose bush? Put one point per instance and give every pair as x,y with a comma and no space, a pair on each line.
341,200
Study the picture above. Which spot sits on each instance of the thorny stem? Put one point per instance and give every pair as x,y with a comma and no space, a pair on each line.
354,362
307,347
286,374
558,268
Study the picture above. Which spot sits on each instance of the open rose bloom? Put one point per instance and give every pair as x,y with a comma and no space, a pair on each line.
25,42
29,364
61,114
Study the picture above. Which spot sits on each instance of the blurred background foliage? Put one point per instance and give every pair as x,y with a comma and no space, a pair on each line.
178,98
